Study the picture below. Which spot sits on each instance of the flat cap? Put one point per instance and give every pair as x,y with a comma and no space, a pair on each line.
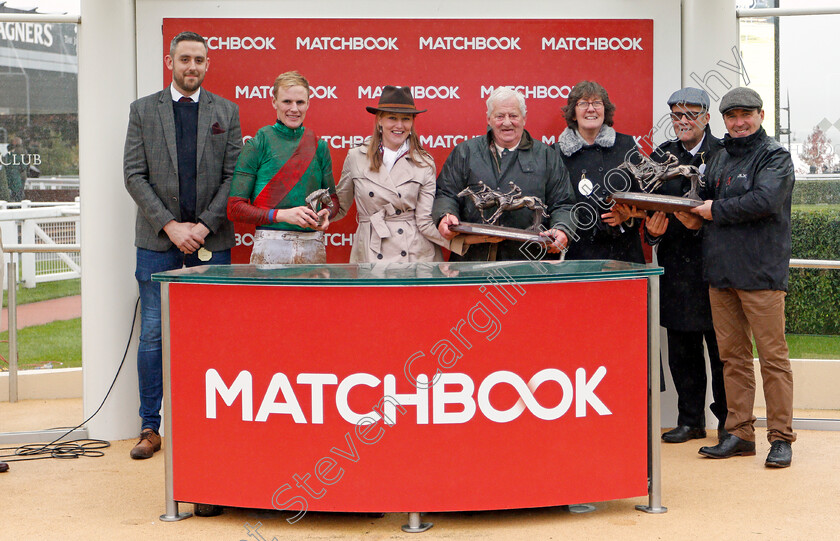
740,98
691,96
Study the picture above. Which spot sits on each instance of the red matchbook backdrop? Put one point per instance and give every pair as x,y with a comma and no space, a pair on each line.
451,64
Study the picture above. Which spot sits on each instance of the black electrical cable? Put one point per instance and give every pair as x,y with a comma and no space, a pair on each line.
71,448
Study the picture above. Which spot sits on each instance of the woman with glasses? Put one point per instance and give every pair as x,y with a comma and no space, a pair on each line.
592,150
392,180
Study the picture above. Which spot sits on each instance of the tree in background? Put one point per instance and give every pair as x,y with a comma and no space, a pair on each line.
817,153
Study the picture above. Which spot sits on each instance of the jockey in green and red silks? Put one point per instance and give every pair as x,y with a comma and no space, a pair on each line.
277,169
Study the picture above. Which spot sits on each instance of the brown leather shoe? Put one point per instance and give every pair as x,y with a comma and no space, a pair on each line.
147,446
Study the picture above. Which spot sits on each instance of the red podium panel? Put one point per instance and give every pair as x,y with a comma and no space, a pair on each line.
312,397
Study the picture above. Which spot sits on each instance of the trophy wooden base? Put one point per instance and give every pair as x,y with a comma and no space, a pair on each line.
510,233
650,201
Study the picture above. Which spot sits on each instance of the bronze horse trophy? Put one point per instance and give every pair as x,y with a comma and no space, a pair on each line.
484,198
651,175
319,198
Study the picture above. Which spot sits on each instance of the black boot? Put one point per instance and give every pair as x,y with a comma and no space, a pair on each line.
731,446
207,510
682,434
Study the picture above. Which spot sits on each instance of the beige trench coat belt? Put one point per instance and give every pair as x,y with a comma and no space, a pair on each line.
377,221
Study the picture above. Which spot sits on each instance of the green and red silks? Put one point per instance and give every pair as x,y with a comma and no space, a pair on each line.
240,209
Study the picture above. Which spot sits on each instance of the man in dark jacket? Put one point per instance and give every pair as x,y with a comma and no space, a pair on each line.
746,254
507,154
684,295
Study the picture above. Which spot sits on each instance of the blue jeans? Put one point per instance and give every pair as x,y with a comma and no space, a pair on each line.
149,352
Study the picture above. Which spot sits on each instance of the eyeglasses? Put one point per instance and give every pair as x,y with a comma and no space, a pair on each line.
584,105
689,115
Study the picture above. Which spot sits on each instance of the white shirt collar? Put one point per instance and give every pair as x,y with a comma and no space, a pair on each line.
502,149
177,95
390,157
696,149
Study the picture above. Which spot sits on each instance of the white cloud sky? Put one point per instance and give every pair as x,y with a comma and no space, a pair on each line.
806,44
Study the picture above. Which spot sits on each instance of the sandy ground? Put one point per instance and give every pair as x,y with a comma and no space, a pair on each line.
116,498
29,415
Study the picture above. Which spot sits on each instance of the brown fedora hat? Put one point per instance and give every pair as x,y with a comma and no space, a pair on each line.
395,100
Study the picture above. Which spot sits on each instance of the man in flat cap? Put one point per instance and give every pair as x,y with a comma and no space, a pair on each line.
684,295
746,254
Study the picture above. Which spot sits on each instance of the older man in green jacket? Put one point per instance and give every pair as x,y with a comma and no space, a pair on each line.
506,154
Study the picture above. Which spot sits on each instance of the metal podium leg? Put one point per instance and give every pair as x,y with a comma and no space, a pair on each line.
654,420
172,514
414,525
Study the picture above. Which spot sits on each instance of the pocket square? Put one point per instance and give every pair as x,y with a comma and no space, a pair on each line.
216,129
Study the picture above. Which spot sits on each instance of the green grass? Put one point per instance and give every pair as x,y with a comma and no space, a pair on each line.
45,291
809,346
811,208
59,341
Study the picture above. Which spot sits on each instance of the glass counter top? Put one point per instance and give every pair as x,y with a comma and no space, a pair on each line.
402,274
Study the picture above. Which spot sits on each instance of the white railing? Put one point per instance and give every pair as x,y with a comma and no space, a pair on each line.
30,223
52,183
817,176
27,204
784,12
814,264
12,298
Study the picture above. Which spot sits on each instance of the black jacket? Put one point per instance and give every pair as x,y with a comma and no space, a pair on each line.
747,243
683,294
534,167
595,164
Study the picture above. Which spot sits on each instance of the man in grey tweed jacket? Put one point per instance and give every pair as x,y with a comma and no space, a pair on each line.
180,153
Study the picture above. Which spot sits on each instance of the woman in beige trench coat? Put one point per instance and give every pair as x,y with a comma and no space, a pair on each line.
392,180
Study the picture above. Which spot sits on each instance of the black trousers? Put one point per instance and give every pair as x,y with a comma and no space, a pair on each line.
688,368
